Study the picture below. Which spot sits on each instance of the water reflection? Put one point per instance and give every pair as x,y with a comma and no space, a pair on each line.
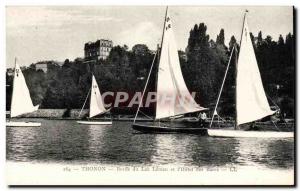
172,149
67,141
26,139
210,151
95,138
280,153
118,144
269,153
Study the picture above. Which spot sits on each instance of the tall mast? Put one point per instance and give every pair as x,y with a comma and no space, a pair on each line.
246,11
159,51
236,61
141,101
155,56
163,33
220,92
12,93
236,70
84,102
156,75
91,95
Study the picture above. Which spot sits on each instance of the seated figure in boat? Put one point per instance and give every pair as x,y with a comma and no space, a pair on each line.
203,116
253,127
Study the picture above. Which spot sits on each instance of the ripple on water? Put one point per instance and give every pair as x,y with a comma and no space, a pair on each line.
67,141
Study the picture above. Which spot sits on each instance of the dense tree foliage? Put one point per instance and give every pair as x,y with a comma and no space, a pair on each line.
205,62
203,65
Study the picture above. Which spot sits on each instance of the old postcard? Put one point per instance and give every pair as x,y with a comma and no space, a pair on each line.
150,95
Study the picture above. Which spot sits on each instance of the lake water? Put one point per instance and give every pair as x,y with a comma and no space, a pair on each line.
66,142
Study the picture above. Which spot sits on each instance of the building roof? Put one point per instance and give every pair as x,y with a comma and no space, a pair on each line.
97,44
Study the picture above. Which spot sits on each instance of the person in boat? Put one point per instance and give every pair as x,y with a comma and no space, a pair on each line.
202,119
253,127
203,116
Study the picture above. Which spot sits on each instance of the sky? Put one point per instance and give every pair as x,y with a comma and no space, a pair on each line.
59,32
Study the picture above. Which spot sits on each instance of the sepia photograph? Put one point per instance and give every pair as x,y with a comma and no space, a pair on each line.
150,95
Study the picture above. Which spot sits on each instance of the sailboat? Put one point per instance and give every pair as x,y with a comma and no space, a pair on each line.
251,100
21,102
170,83
96,105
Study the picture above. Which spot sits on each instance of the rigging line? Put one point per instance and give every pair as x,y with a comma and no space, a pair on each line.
84,102
285,123
272,100
12,92
146,115
145,86
225,75
221,117
275,125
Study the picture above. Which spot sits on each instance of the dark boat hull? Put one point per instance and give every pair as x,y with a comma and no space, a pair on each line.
145,128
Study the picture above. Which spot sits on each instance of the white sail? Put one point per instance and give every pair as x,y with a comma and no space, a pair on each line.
173,97
251,101
21,102
96,103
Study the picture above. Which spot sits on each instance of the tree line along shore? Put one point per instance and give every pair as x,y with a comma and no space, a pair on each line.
203,65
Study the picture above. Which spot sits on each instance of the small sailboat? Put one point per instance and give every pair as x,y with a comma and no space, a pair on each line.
170,83
251,100
21,102
96,105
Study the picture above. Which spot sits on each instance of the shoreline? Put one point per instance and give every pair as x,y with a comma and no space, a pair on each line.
74,113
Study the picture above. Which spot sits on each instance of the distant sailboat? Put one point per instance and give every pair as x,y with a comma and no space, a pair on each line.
170,82
21,102
251,100
96,105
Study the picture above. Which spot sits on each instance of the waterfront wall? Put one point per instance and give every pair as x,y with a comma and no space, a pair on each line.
55,113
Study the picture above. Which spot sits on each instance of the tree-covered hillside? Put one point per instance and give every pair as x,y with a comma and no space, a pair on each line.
203,65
